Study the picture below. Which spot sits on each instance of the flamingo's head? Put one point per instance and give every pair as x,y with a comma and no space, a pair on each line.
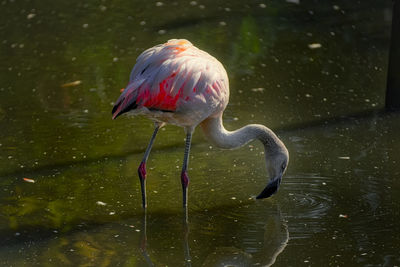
277,162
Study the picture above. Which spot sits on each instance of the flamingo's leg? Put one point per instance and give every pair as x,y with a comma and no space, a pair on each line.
184,175
142,166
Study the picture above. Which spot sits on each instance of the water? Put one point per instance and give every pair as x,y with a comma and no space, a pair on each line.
314,72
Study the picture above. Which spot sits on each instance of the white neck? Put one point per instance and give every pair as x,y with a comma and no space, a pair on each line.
216,133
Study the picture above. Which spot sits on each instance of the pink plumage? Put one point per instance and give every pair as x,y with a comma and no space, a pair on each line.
177,83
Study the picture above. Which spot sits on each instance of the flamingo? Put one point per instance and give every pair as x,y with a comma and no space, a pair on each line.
178,83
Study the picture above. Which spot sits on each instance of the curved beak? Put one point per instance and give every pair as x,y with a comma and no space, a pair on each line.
271,188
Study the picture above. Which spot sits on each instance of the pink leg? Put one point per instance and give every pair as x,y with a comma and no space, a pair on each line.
142,166
185,184
142,178
184,175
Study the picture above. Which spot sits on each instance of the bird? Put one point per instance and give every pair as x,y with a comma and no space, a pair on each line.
180,84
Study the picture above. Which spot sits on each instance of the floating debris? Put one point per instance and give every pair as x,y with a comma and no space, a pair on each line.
100,203
29,180
345,216
31,16
258,89
121,90
314,46
344,157
75,83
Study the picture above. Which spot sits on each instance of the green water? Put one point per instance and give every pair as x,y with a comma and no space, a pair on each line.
315,72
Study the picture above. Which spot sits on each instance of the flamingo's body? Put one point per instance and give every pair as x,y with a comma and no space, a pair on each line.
180,84
175,83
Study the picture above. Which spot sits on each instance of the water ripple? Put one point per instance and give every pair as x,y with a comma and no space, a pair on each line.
308,201
310,194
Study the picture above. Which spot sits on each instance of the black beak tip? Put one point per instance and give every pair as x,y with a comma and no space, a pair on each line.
271,188
265,194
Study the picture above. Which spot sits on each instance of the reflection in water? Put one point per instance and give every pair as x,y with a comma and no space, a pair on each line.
185,221
185,231
143,240
261,243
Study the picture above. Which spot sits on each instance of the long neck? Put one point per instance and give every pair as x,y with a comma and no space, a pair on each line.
216,133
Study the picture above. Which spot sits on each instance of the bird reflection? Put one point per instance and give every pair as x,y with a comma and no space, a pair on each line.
275,238
259,243
143,241
188,260
185,231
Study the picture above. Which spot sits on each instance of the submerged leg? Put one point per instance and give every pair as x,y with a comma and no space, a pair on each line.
142,166
184,176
